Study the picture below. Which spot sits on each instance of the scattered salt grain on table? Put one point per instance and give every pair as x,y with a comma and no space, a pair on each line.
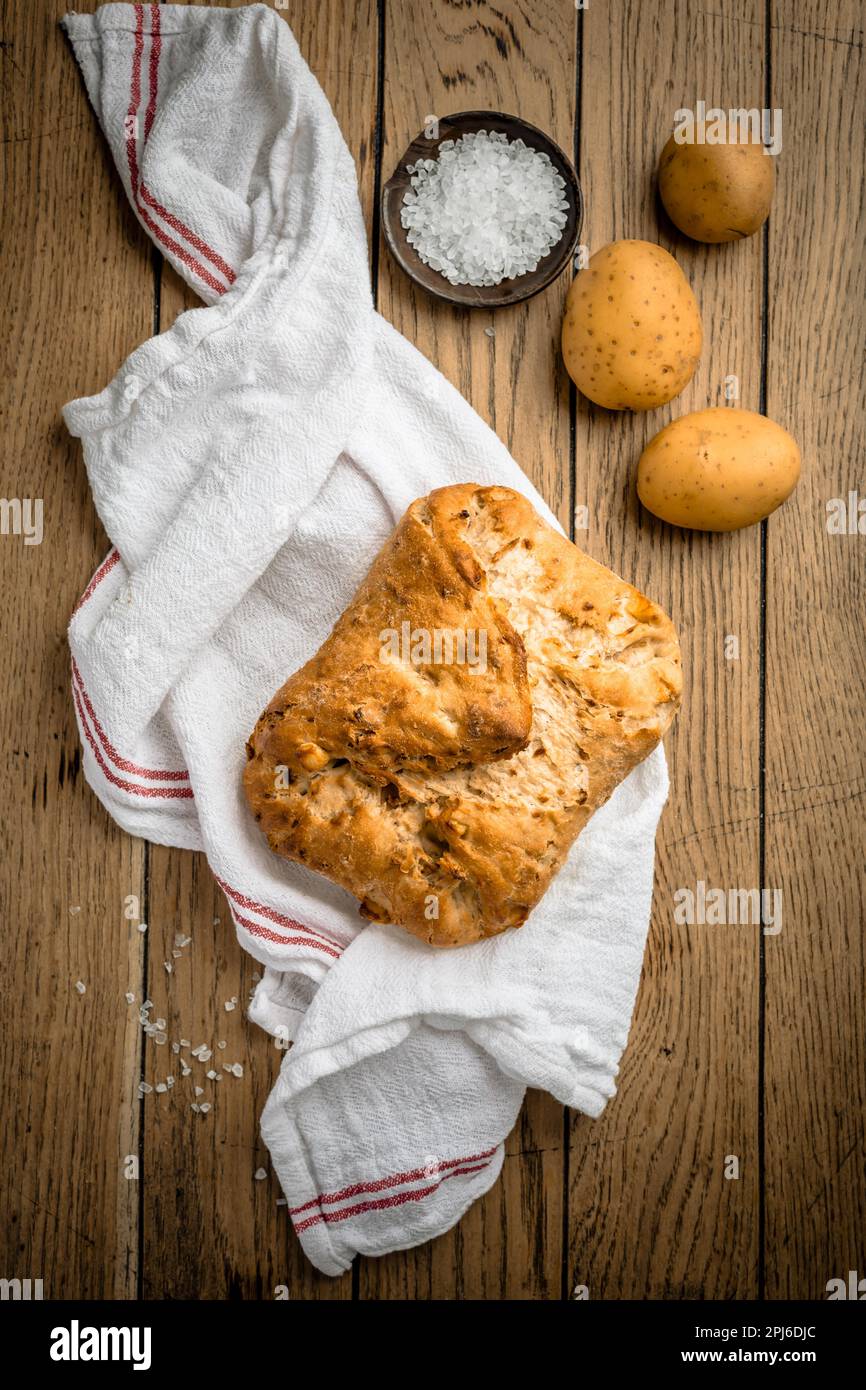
486,209
260,1174
81,986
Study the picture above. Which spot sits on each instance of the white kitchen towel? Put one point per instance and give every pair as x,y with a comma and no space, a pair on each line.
550,1005
247,464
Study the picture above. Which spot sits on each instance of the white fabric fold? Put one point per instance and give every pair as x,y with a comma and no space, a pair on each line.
247,464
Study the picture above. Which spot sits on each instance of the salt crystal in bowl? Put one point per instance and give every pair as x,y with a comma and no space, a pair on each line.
484,214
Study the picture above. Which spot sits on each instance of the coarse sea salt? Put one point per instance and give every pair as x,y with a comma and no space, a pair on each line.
487,209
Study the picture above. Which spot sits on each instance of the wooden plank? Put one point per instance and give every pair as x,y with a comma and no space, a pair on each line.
651,1213
507,58
816,654
210,1229
79,298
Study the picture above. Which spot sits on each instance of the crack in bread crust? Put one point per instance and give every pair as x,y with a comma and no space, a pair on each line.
446,798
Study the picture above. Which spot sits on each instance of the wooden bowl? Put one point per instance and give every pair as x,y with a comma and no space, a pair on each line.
507,291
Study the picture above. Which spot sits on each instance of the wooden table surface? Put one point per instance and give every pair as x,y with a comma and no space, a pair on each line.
743,1044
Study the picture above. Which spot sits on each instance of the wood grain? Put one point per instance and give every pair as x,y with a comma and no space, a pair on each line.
510,57
75,268
210,1230
651,1213
519,59
816,654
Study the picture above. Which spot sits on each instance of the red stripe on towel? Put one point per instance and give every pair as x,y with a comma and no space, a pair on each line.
172,793
269,935
271,914
122,763
381,1184
105,568
184,231
155,51
138,191
397,1199
178,250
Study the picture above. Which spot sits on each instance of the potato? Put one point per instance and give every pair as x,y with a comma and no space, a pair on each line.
718,469
631,336
716,192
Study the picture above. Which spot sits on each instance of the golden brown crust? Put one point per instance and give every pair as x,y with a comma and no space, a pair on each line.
442,779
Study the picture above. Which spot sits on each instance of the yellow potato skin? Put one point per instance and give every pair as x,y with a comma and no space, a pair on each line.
632,334
718,470
716,193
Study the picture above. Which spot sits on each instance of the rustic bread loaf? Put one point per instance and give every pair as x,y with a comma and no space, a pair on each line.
485,691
